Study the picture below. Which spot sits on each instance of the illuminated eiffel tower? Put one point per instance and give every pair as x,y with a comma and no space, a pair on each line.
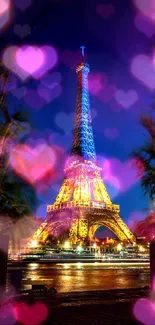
83,204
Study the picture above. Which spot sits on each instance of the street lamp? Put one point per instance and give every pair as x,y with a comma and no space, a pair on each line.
141,248
119,247
34,243
79,249
66,245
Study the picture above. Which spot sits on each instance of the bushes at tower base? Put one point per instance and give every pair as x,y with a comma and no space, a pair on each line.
145,228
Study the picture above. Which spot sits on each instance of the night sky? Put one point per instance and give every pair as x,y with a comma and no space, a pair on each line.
119,42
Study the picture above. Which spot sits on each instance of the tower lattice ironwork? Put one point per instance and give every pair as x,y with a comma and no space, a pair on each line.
83,204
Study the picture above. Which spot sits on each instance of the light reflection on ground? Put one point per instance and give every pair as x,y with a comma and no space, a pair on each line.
90,276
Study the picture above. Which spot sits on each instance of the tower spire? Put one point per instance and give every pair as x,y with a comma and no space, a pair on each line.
82,50
83,139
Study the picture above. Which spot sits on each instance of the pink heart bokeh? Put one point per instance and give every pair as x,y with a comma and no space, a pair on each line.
144,25
51,60
146,7
126,99
18,60
30,59
144,311
4,6
4,12
31,314
124,172
7,315
105,10
97,82
101,88
32,164
143,68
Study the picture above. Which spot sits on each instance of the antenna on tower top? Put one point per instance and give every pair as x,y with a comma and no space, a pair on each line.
82,48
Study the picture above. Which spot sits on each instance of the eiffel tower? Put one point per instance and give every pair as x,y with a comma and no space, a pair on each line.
83,204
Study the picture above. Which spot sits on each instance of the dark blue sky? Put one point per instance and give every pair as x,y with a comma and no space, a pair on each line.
112,40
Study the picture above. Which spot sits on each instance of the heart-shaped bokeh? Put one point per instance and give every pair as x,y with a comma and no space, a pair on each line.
97,82
7,315
65,121
145,25
22,5
51,79
4,12
126,99
22,30
100,87
49,94
143,68
146,7
31,314
144,311
105,10
4,6
32,163
125,172
30,60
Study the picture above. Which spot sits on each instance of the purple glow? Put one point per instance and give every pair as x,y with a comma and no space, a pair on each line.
30,59
145,25
51,79
143,69
146,7
22,5
33,99
124,173
22,30
144,311
105,10
111,133
49,94
4,12
65,121
126,99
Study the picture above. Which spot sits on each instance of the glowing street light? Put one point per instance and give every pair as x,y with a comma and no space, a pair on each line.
79,248
94,245
119,247
141,248
34,243
66,245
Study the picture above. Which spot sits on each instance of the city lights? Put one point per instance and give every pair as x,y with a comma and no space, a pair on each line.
67,245
34,243
141,249
119,247
79,248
